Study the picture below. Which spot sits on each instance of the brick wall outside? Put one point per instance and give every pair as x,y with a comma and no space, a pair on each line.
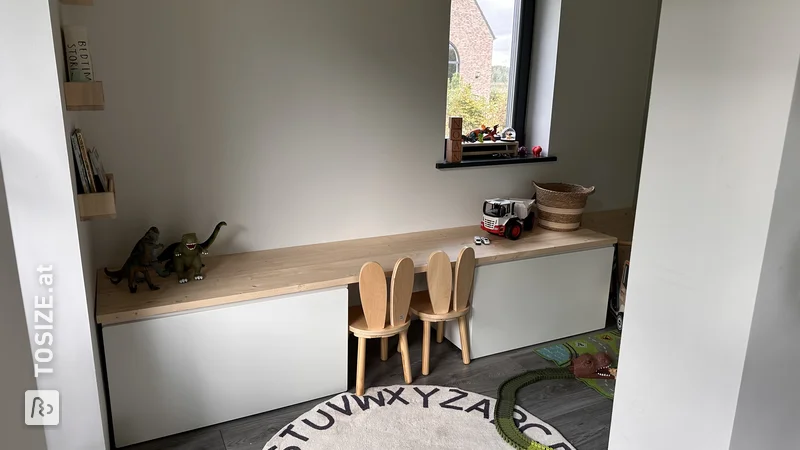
472,38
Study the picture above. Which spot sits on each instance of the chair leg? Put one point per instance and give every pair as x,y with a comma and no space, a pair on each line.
405,356
362,359
440,332
462,326
384,349
426,347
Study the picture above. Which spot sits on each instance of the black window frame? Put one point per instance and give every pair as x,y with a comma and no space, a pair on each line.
522,78
457,61
520,95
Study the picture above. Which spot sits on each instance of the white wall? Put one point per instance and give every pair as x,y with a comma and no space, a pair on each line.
547,22
717,122
16,377
605,54
71,122
39,191
769,402
323,125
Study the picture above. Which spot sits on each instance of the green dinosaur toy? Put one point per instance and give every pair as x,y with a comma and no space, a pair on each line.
584,366
184,257
138,262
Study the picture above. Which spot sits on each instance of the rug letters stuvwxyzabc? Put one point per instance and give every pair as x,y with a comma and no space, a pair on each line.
407,417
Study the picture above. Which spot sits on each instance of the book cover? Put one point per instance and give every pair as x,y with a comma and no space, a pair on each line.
78,56
86,162
80,170
100,179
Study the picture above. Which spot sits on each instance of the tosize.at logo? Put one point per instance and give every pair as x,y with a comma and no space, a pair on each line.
42,407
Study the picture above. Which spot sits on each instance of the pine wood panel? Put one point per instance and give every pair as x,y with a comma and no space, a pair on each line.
440,282
84,96
358,325
402,288
254,275
421,307
465,274
100,205
617,223
372,286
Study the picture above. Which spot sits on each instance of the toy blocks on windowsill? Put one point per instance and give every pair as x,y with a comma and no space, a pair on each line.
454,144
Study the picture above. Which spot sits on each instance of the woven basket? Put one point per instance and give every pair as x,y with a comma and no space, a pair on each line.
560,205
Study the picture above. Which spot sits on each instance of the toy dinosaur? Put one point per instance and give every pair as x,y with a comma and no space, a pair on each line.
138,262
184,257
157,266
480,134
584,366
491,133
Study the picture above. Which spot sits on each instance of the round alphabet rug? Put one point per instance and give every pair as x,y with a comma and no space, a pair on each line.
407,417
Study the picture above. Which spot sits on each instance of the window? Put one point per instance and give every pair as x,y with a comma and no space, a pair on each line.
452,62
490,48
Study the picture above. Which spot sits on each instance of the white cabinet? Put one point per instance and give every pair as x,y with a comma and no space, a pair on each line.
530,301
176,373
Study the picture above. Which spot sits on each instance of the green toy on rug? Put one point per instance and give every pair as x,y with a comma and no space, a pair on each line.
606,341
587,366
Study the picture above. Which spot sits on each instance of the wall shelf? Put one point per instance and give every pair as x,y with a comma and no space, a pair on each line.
100,205
494,162
84,96
78,2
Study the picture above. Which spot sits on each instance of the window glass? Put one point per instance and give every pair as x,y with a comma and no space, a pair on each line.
483,38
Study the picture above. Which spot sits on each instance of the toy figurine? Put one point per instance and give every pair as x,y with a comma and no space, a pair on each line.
537,151
491,133
472,137
184,257
508,135
480,134
138,262
523,152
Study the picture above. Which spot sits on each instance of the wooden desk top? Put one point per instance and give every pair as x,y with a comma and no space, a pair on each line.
254,275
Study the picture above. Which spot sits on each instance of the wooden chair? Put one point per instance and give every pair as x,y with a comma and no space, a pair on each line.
437,305
369,320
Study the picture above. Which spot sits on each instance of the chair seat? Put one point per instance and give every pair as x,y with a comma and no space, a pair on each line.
421,307
358,325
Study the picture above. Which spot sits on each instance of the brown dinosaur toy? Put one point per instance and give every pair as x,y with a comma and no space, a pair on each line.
596,365
491,133
139,261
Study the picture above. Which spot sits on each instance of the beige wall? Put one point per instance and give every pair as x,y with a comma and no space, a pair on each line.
605,55
472,38
299,135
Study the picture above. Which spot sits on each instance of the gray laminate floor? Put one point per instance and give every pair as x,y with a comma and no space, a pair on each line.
582,415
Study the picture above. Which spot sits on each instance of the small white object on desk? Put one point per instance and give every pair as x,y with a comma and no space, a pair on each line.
486,241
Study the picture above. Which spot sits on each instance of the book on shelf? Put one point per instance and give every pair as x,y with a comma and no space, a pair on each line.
97,170
80,170
78,56
89,171
86,163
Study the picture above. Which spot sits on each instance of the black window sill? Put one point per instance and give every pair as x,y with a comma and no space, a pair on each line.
494,162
